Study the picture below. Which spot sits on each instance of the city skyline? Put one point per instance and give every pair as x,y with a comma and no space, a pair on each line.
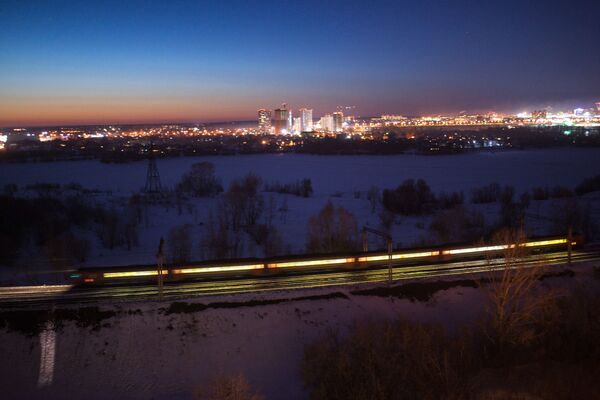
77,63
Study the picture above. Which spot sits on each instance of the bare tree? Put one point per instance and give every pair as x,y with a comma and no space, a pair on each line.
386,220
283,210
221,241
200,181
457,225
333,229
374,197
245,205
517,301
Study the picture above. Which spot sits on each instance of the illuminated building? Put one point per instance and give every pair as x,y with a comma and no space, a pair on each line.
327,123
598,106
297,125
578,112
282,120
307,119
264,120
338,120
392,117
537,115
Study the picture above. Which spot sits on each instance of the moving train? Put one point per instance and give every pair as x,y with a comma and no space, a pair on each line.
248,267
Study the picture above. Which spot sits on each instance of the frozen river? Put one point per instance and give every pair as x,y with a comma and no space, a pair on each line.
331,174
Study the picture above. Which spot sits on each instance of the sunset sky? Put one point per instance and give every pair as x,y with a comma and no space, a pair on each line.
75,62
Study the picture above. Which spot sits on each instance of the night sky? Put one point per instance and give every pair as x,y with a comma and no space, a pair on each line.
71,62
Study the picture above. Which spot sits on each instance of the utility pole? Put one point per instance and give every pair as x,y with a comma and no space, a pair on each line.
388,238
569,243
569,234
152,189
160,258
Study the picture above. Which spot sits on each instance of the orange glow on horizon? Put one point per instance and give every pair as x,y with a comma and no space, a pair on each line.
105,111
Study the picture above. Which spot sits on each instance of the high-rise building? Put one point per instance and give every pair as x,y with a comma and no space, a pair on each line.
338,121
326,123
283,120
297,128
307,119
598,106
264,120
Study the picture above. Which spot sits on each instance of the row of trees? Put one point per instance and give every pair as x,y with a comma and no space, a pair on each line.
201,181
415,197
59,227
301,188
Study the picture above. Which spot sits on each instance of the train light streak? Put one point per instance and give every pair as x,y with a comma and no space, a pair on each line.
217,269
399,256
545,243
540,243
373,258
130,274
475,249
332,261
415,255
309,263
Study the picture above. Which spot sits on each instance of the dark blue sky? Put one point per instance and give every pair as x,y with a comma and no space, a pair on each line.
125,61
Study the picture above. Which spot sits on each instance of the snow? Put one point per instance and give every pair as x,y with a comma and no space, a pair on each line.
154,355
149,354
334,178
331,174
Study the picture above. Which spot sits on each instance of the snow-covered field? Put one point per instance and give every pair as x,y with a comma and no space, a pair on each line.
153,355
337,178
143,352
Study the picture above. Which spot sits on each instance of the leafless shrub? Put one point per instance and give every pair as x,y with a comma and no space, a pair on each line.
387,361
